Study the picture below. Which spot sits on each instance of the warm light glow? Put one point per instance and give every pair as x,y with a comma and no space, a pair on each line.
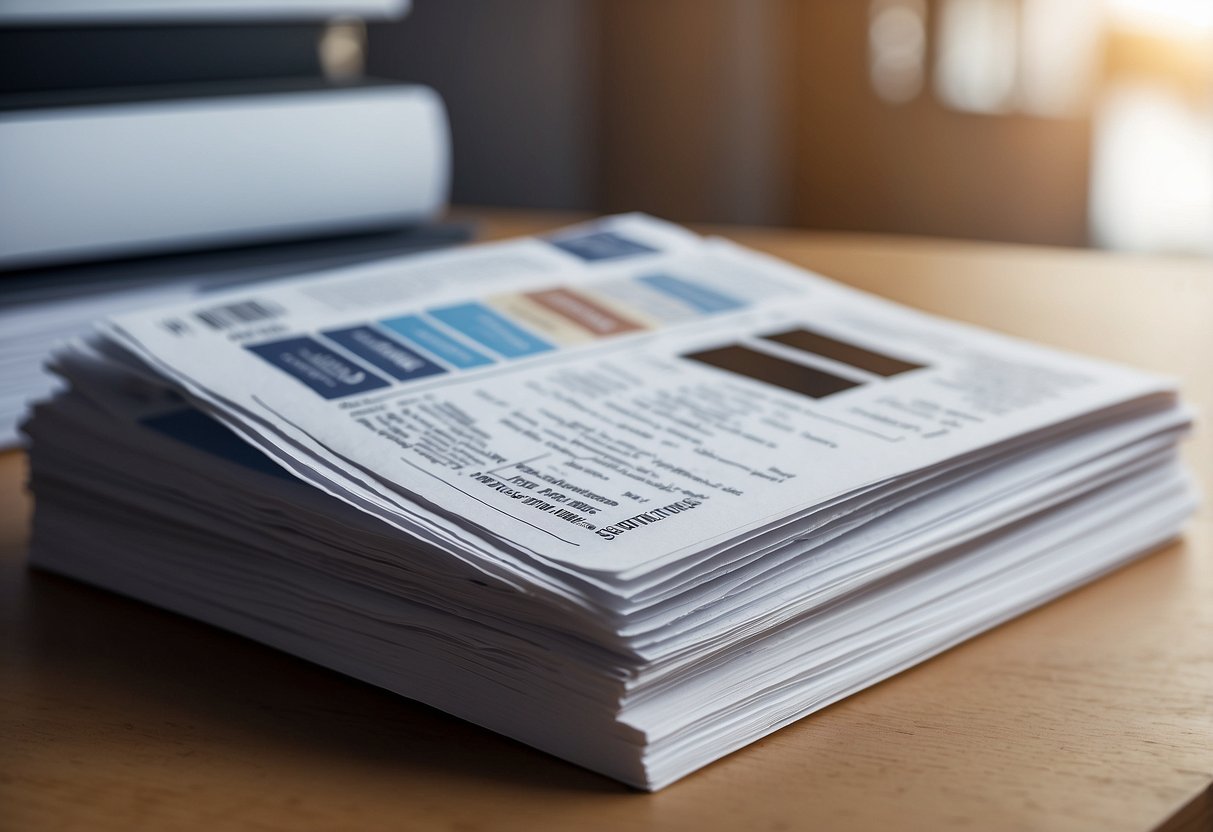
978,55
1059,52
1152,173
897,48
1172,17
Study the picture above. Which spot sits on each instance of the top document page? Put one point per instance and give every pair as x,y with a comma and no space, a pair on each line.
615,397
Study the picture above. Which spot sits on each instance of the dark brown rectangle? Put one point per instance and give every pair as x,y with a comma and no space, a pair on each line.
808,381
827,347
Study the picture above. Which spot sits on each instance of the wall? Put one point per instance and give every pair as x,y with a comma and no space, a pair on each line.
519,80
753,111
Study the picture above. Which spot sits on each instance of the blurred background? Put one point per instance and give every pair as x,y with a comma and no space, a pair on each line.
153,151
1067,122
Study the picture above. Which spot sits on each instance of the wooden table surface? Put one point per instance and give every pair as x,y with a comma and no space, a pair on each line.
1094,712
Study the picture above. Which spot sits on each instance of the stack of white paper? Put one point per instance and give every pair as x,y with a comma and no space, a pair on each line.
632,496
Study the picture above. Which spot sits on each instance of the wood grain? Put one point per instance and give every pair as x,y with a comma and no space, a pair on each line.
1095,712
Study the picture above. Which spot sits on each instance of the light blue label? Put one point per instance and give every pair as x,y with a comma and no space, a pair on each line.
695,295
429,337
491,329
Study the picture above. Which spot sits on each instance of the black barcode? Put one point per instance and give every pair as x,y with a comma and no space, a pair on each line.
221,317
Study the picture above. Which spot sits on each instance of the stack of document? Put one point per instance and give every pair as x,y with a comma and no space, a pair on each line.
629,495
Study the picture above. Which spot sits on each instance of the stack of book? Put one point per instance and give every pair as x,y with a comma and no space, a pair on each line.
629,495
131,129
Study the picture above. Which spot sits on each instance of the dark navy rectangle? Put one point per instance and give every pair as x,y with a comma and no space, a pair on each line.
196,429
384,352
328,373
601,245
